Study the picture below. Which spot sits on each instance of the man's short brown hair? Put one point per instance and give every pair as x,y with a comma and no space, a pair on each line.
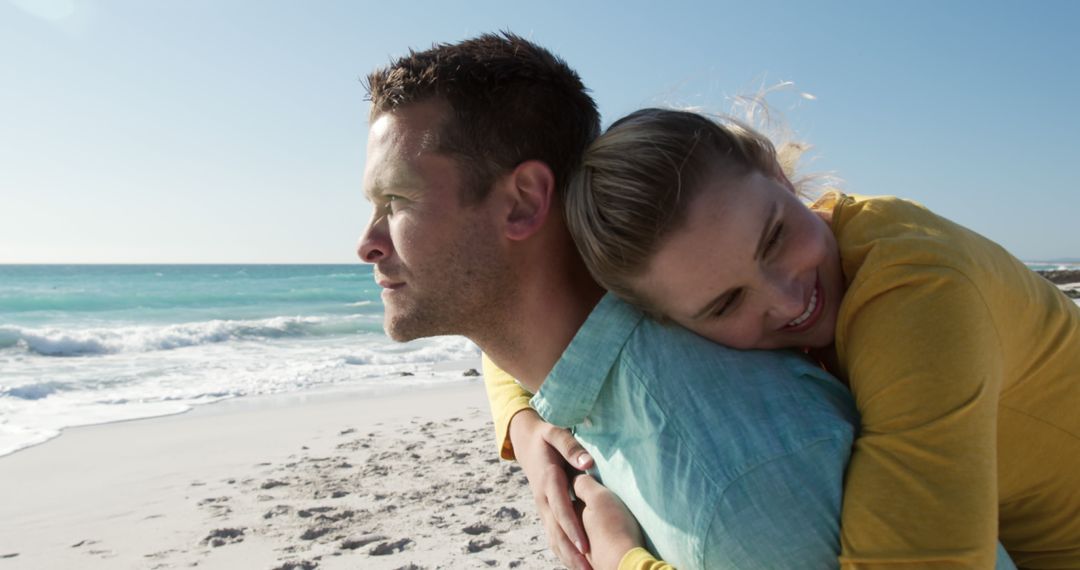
510,100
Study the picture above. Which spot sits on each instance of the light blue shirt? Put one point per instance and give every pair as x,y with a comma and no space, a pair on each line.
728,459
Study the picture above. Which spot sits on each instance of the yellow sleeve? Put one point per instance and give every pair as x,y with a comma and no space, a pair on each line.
924,361
640,559
506,398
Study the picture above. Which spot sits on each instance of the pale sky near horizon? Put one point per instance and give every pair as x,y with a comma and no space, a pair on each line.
234,131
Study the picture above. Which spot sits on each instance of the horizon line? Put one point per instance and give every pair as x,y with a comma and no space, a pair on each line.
10,263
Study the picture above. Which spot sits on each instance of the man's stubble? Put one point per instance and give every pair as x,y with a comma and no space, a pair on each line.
470,291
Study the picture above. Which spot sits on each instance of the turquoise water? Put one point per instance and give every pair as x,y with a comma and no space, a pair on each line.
70,299
83,344
1051,265
34,294
94,343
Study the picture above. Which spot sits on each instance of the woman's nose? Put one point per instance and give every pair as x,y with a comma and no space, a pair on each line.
787,299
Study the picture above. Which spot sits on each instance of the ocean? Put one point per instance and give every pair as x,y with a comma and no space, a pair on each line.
88,344
1052,265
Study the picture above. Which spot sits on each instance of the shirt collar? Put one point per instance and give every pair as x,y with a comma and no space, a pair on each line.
570,391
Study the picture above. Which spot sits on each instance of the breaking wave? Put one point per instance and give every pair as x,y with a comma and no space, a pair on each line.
92,341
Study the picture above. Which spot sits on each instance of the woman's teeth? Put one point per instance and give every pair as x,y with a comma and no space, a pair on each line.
809,310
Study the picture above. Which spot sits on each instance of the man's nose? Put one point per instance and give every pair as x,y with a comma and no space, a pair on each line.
375,243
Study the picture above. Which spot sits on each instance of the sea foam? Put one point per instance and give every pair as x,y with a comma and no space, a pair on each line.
90,344
148,338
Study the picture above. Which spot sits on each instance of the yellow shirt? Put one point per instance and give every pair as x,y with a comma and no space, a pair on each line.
965,366
507,398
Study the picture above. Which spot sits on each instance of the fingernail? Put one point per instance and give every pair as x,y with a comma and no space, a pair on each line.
580,546
583,459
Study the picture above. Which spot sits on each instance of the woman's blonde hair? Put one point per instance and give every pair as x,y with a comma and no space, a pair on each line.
636,181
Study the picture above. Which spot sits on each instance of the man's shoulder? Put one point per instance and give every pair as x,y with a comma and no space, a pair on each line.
660,351
768,403
682,419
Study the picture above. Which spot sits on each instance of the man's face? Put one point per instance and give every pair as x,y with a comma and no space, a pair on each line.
440,264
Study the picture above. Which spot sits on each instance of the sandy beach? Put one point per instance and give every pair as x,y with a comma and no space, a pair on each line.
318,480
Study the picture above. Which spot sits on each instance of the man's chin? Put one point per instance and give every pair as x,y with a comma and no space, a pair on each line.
403,329
396,332
398,335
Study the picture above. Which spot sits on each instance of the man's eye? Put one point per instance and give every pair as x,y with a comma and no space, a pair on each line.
392,203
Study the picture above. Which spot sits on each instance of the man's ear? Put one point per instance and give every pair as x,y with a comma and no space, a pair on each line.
532,195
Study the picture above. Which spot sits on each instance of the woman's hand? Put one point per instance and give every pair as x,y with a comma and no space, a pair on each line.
545,453
611,528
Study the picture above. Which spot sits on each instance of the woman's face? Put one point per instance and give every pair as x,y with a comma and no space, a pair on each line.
752,267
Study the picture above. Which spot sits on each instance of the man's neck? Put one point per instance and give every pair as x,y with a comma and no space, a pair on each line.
553,303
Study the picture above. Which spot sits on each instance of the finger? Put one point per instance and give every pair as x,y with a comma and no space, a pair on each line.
587,488
563,442
557,492
568,554
562,546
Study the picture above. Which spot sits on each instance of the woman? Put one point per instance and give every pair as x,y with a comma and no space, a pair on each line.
964,364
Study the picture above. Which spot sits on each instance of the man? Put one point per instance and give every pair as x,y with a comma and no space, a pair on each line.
725,458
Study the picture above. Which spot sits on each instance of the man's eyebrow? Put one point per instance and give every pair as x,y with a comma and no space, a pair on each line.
398,181
712,305
371,191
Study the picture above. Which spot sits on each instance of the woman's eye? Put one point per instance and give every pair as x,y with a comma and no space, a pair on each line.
774,238
729,303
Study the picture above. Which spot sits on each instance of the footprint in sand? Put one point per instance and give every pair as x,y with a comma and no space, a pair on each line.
216,506
477,545
223,536
386,548
310,512
277,511
315,532
161,554
360,541
508,513
298,565
475,529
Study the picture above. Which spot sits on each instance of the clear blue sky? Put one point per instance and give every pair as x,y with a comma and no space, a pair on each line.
234,131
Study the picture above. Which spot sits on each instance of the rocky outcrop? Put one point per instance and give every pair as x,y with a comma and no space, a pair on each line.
1061,276
1068,280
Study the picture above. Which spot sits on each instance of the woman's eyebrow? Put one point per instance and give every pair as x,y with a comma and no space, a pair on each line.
762,240
765,231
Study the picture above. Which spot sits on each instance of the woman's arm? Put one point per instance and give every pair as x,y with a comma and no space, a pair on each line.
613,531
545,453
924,362
640,559
506,398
